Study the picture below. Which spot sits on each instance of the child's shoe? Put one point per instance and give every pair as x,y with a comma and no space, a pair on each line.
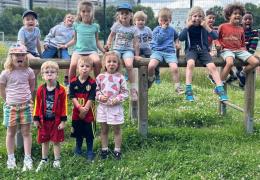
104,154
242,78
221,92
11,164
179,90
77,151
157,79
133,94
56,164
27,164
150,81
188,93
231,78
90,156
211,79
43,163
117,155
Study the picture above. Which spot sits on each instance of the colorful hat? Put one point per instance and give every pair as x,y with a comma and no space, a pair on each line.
30,12
124,5
18,49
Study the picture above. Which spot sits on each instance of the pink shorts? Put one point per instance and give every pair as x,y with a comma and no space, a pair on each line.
49,132
110,114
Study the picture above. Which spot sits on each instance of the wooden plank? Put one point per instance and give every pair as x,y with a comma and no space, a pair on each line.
133,105
228,103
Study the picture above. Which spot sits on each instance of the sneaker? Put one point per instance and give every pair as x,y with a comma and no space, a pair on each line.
117,155
157,79
133,94
211,79
11,164
27,164
150,82
219,90
241,77
179,90
189,95
104,154
231,78
42,164
90,156
56,164
77,151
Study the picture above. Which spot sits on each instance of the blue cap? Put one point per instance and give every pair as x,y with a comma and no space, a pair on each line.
30,12
125,5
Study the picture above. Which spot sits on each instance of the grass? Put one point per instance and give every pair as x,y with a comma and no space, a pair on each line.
185,141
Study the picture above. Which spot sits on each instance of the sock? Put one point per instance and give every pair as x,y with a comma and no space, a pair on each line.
27,156
176,85
89,142
11,156
57,158
117,149
104,148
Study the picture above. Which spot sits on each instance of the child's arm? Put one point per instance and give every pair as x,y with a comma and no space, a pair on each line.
110,39
136,46
32,81
99,95
100,47
38,46
64,107
159,35
2,91
123,92
37,109
49,36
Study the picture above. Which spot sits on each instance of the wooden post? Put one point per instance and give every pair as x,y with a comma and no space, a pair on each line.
249,101
133,105
143,100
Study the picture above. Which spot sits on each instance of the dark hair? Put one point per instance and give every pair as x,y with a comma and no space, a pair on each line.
230,8
210,12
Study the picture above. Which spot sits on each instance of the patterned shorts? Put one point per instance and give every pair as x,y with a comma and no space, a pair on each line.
18,114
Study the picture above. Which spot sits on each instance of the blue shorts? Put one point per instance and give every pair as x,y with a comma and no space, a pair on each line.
124,54
202,56
167,57
53,52
243,54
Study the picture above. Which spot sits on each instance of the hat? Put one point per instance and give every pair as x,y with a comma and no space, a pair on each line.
125,5
18,49
30,12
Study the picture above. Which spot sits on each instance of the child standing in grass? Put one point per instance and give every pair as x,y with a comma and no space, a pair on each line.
82,93
164,43
50,113
124,35
17,83
55,43
86,38
231,42
195,36
111,92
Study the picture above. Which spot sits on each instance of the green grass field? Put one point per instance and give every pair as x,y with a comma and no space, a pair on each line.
185,141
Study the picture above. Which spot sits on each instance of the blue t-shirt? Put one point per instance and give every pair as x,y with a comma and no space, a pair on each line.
163,39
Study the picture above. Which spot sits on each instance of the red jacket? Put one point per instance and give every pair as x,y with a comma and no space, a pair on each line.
59,106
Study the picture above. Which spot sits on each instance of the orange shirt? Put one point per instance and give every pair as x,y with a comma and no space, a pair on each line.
231,37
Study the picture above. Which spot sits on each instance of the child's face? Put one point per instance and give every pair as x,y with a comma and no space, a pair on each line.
112,64
86,14
210,20
247,20
197,18
125,16
18,60
84,68
29,21
69,20
164,21
235,17
49,74
140,22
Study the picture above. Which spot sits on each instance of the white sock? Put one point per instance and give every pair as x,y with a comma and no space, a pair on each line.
105,149
11,156
27,156
117,149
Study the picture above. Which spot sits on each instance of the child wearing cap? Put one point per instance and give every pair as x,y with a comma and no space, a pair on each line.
16,87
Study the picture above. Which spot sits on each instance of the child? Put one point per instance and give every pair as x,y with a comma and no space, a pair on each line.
231,42
17,83
164,40
55,43
111,92
50,113
145,34
124,35
83,92
210,20
86,38
195,35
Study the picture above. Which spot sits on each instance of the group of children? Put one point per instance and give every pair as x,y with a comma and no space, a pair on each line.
108,88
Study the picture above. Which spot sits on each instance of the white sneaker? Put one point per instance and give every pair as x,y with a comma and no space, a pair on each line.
56,164
11,164
27,164
42,164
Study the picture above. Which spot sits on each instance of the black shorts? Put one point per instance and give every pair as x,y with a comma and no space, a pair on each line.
82,129
201,56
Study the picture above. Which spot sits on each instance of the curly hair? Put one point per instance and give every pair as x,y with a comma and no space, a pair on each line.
111,54
230,8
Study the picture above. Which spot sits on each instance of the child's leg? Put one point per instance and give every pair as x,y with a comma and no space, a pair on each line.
50,52
97,63
104,135
10,139
56,150
73,65
229,63
129,67
79,142
214,73
175,72
189,70
118,137
252,63
27,138
45,150
151,67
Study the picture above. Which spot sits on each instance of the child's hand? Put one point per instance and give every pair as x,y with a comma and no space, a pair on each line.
107,47
114,101
178,46
45,46
103,98
203,24
37,124
63,46
189,23
164,26
82,115
61,125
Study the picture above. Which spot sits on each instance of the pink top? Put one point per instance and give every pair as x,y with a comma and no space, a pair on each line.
111,85
17,85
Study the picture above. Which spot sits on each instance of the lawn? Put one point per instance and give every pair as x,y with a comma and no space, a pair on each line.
185,141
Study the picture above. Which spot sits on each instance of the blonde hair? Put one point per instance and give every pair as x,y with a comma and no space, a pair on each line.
118,19
195,10
140,15
84,4
165,13
9,64
49,64
108,55
85,59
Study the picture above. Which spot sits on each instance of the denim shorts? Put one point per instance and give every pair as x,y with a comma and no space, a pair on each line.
124,54
202,56
53,52
167,57
243,54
